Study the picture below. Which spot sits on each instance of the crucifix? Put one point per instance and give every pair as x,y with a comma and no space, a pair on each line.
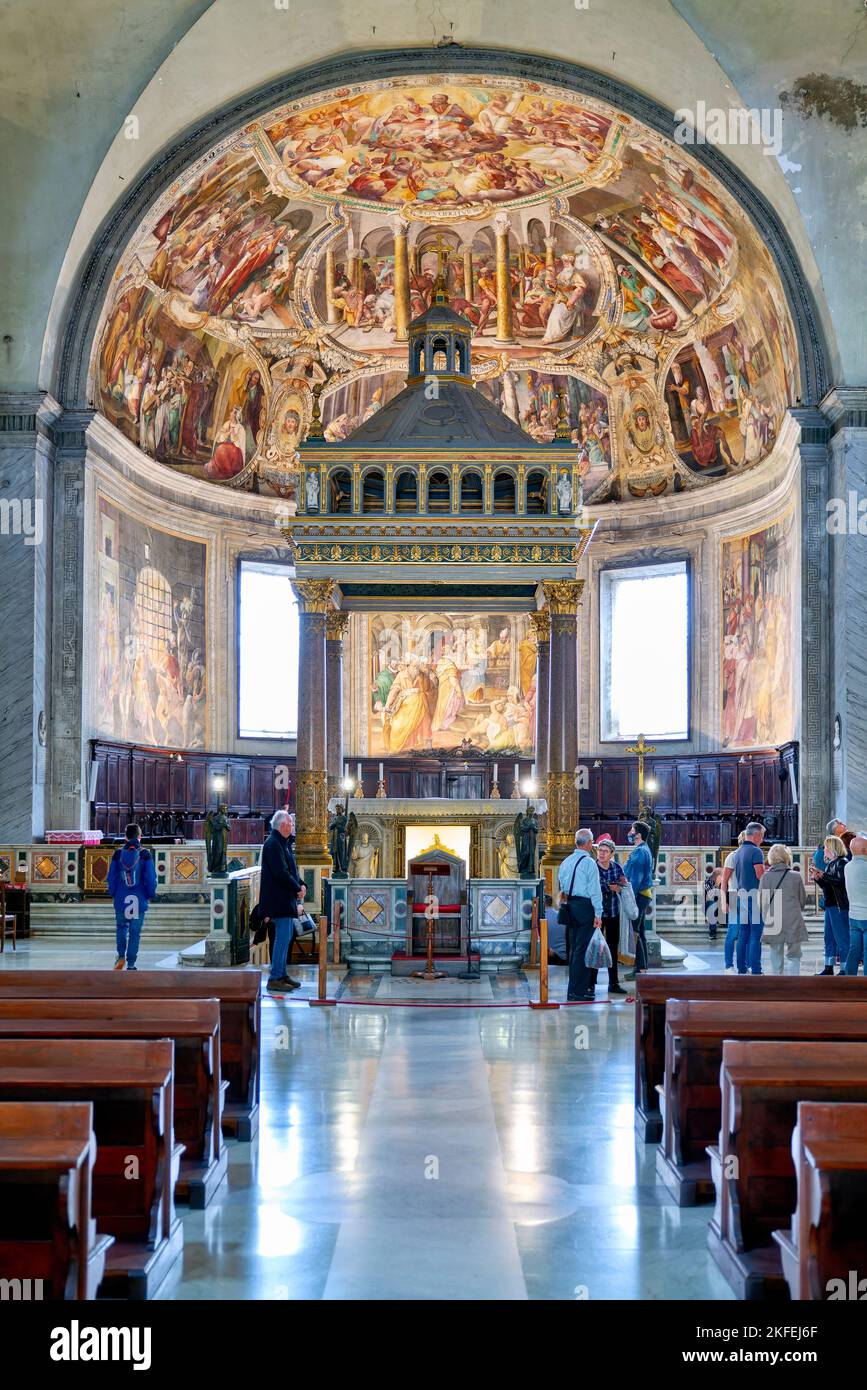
442,251
642,749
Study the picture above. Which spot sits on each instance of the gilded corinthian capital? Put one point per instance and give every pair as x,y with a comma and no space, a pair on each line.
563,595
336,624
314,595
540,622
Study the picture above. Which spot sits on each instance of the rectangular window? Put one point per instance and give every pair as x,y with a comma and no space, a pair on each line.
267,652
644,652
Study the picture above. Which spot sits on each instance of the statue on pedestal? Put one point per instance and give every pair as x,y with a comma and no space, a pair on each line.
526,835
342,830
217,841
363,858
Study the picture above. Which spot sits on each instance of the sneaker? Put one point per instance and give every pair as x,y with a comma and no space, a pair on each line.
132,967
730,970
829,970
276,986
120,963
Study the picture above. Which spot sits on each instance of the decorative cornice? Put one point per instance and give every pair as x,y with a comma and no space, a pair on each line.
846,408
533,553
26,414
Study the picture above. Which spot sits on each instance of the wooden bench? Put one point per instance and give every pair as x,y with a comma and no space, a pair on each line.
130,1085
754,1176
194,1027
238,991
654,989
828,1239
47,1233
694,1036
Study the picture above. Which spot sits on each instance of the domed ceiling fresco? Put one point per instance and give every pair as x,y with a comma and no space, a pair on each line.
599,264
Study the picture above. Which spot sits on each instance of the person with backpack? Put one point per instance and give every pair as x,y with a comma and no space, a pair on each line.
132,884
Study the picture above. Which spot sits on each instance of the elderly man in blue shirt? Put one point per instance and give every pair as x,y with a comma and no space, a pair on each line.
581,891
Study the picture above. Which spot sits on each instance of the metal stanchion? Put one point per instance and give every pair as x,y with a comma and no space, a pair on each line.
323,965
543,1001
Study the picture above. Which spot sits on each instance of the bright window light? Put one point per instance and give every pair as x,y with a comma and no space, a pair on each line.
644,652
268,652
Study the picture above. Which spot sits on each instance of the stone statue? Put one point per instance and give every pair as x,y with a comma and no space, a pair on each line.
507,856
217,841
526,834
564,492
363,860
312,486
342,830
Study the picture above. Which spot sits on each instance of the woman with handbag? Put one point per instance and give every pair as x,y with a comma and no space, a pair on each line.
783,898
612,879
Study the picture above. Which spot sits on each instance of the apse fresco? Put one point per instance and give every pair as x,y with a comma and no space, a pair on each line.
151,684
758,575
576,242
437,679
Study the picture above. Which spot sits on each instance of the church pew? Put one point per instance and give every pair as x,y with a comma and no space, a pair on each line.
194,1027
753,1172
47,1233
238,991
694,1036
654,989
130,1085
828,1236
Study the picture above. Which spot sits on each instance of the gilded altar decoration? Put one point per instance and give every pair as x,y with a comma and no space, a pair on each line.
563,596
311,817
314,595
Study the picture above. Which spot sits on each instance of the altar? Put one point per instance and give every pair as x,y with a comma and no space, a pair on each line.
383,916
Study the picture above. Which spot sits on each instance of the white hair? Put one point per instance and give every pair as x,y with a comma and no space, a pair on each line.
584,837
279,818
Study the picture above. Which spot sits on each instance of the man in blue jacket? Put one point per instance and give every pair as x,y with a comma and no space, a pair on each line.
639,870
132,883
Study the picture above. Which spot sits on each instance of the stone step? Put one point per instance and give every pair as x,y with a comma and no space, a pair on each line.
171,920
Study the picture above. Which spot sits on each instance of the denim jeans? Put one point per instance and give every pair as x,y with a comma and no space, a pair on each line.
128,937
729,947
830,944
857,946
840,927
750,947
284,928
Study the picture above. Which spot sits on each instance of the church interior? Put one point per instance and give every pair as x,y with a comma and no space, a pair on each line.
433,798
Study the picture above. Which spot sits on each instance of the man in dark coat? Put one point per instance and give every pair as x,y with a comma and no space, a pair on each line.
281,888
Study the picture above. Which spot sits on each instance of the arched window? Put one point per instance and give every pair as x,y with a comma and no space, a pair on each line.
373,491
504,492
439,355
472,492
461,349
406,492
537,494
439,492
417,354
340,491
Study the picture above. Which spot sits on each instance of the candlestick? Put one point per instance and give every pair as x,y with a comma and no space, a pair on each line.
359,790
516,789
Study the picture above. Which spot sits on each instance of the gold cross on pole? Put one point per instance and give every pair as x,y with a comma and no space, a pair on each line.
642,748
442,250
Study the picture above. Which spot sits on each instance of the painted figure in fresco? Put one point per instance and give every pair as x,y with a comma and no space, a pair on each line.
227,460
526,835
499,656
216,832
450,695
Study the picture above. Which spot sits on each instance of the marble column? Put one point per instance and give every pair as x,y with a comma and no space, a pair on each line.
469,286
401,280
562,597
845,526
540,622
502,227
311,795
336,625
332,312
813,694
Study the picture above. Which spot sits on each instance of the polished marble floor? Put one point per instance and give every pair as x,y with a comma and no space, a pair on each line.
442,1153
